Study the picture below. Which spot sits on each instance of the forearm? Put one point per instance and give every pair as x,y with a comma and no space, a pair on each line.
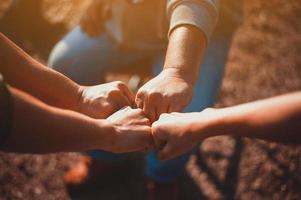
276,119
39,128
185,50
26,74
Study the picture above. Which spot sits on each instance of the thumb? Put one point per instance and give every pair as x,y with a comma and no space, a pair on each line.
139,99
157,137
166,153
147,139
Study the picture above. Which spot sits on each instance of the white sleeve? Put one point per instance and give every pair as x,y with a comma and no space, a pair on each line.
202,14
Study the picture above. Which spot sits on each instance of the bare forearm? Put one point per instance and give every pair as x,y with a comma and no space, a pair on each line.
39,128
185,50
276,119
23,72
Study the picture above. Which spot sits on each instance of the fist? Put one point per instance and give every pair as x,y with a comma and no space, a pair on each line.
103,100
177,133
132,131
167,92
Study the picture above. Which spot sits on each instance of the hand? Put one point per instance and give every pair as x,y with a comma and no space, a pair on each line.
92,22
132,131
167,92
177,133
103,100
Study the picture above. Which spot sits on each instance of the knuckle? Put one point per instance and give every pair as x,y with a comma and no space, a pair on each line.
155,95
146,121
128,108
141,93
155,126
114,93
119,83
109,107
139,111
164,115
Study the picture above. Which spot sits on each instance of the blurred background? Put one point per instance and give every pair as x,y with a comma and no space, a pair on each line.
264,60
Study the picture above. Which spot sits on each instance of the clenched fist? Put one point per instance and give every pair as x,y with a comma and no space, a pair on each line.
132,131
103,100
167,92
177,133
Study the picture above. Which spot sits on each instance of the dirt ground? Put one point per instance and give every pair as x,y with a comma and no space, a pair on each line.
264,61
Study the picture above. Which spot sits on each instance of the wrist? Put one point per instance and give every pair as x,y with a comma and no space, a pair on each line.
104,133
69,98
79,99
211,122
179,72
226,121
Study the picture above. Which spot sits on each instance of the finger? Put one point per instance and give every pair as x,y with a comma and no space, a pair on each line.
166,153
175,108
154,101
139,103
124,101
161,108
149,109
109,109
140,100
126,91
143,121
119,98
158,138
152,145
144,139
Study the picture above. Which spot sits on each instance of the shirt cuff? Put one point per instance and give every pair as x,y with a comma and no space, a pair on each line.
200,14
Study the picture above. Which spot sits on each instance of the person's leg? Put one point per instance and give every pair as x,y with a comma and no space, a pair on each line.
85,60
205,92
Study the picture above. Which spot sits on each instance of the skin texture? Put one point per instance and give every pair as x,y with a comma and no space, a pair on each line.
24,73
171,90
177,133
102,100
276,119
50,129
133,131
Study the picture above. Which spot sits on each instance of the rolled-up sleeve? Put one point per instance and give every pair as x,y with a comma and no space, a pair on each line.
202,14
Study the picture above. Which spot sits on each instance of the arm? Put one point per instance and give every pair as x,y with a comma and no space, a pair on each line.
39,128
190,27
23,72
172,89
275,119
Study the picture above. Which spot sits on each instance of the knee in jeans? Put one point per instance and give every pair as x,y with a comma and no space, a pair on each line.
58,58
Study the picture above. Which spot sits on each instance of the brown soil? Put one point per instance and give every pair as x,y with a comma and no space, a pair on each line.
264,61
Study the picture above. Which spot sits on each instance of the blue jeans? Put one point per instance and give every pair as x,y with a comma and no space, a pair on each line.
86,60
